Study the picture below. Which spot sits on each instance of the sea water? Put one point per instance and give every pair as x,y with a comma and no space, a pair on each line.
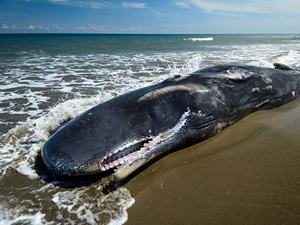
48,79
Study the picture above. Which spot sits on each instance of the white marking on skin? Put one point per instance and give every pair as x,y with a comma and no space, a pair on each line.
260,104
237,74
255,89
158,92
168,89
267,79
180,77
220,127
202,90
220,96
293,93
233,75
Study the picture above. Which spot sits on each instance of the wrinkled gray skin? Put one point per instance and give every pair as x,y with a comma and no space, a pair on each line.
177,112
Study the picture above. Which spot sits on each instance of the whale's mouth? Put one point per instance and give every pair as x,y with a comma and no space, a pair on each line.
124,154
135,154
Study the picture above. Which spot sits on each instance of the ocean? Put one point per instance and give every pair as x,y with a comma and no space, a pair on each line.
48,79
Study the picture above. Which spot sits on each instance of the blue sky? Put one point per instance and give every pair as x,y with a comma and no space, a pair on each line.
150,16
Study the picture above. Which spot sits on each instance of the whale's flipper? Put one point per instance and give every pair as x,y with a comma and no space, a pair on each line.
281,66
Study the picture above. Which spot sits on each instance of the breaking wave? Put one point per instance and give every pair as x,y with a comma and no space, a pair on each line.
199,39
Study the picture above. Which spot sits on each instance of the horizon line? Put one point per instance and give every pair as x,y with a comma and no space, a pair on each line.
22,33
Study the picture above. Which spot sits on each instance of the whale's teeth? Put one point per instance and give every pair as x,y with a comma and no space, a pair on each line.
102,167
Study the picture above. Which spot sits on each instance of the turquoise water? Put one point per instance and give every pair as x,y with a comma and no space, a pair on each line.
126,43
46,79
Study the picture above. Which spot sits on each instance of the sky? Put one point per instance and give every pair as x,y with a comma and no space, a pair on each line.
150,16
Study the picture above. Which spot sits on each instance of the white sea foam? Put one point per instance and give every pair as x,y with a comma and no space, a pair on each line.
36,219
93,210
122,219
199,39
290,58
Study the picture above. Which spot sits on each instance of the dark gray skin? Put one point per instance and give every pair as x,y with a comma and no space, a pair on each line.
130,130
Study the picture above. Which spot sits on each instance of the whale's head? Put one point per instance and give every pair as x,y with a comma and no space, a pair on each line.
125,132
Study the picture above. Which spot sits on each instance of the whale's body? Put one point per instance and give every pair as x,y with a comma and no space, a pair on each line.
130,130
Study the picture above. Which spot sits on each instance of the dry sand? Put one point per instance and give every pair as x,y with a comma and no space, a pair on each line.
247,174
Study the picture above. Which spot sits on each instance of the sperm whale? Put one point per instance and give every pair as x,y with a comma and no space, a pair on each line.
130,130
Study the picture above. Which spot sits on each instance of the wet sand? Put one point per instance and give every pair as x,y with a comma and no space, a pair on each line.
247,174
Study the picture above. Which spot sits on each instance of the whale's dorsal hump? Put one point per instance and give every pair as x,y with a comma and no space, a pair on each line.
237,74
232,72
281,66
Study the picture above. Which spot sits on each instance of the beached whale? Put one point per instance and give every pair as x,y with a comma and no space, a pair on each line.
128,131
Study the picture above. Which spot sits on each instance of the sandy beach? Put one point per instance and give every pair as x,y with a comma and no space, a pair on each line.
247,174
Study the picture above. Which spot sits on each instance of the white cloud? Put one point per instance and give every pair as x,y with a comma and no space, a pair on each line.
96,5
81,28
57,27
238,6
83,3
35,27
125,29
97,28
251,6
183,4
134,5
4,26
